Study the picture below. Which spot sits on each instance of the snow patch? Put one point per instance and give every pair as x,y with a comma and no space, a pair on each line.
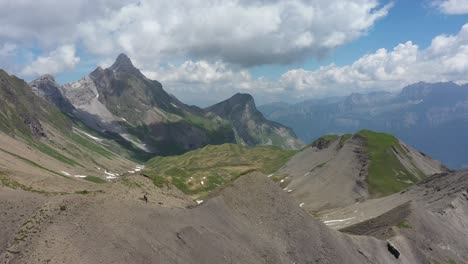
76,130
81,176
301,205
199,201
269,176
65,173
331,222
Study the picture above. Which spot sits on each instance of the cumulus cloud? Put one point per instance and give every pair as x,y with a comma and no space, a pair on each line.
59,60
49,22
241,32
452,7
202,82
7,49
446,59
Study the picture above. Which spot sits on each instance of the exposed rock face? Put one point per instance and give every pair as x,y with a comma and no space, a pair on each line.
46,88
250,126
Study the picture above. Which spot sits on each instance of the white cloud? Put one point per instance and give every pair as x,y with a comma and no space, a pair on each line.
446,59
203,82
240,32
49,22
7,49
452,7
59,60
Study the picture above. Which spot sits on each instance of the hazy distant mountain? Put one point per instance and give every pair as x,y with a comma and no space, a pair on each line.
430,116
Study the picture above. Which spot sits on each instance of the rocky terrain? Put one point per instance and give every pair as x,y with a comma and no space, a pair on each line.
432,117
115,226
336,171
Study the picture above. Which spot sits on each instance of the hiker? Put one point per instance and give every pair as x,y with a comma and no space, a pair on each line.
145,198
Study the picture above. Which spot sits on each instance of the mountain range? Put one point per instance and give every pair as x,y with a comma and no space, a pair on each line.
433,117
121,101
113,169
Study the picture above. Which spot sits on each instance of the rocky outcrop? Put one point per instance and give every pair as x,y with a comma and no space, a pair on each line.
46,88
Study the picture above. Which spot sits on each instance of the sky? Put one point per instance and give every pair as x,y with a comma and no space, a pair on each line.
204,51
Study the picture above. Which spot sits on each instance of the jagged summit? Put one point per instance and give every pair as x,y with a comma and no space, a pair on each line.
123,64
46,87
45,77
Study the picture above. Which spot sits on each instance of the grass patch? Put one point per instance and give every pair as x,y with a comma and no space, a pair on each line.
129,183
159,181
10,183
83,192
93,146
95,179
32,163
205,169
329,137
55,154
404,224
386,175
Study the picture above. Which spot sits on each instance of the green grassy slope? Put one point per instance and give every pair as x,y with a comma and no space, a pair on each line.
214,166
386,175
42,126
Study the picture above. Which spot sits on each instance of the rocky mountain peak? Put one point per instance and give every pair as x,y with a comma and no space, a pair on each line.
123,64
44,85
46,78
236,103
241,98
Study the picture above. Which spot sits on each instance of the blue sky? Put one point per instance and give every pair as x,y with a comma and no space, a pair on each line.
413,20
274,50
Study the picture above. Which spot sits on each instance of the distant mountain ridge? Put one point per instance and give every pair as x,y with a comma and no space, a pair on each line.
433,117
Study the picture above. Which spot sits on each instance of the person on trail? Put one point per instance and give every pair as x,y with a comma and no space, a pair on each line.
145,198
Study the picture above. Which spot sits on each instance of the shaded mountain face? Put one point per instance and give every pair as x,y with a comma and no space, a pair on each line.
430,116
337,171
250,126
